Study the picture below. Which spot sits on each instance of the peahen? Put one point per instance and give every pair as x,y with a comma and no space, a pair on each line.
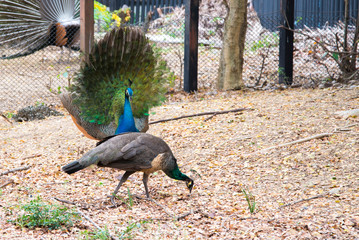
132,152
121,63
28,26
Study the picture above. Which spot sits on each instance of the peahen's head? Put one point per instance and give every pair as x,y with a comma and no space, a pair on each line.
189,183
175,173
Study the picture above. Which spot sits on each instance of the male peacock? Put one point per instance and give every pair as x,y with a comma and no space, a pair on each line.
119,64
28,26
132,152
126,122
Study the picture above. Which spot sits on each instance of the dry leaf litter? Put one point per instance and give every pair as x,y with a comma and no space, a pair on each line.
222,154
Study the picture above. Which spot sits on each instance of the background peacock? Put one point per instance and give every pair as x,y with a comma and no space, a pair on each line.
28,26
121,63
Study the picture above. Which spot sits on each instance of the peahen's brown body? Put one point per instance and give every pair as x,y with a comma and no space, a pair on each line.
132,152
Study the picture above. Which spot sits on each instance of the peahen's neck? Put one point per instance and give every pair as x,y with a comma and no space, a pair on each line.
126,122
177,174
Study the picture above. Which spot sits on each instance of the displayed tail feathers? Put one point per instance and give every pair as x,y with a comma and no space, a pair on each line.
72,167
124,53
91,130
123,58
24,53
32,25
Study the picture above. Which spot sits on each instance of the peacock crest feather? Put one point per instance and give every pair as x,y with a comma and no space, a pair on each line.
123,58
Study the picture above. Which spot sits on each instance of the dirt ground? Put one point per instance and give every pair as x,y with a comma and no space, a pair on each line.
305,190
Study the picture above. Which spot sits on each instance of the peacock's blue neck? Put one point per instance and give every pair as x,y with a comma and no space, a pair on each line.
126,122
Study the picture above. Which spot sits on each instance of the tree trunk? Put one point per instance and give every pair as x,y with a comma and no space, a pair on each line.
348,63
231,64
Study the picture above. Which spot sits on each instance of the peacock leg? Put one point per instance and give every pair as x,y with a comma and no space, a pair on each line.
62,52
145,180
69,57
123,179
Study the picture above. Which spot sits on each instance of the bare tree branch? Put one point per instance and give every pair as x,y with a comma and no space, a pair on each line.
201,114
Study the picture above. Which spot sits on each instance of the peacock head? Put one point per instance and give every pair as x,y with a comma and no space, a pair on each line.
129,93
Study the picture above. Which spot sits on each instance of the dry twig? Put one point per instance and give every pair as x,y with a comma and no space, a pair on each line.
318,136
15,170
71,203
6,119
64,201
264,56
201,114
209,118
303,200
173,216
32,156
84,216
7,183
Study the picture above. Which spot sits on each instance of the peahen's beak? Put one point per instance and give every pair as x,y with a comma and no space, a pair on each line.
190,184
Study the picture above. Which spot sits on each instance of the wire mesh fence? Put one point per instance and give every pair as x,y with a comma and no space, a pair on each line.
34,36
37,77
167,33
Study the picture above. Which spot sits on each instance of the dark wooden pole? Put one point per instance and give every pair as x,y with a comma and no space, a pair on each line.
191,46
286,42
87,25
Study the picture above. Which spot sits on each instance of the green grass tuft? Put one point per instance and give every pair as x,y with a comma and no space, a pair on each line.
104,234
39,214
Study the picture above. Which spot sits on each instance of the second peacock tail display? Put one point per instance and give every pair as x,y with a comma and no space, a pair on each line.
119,81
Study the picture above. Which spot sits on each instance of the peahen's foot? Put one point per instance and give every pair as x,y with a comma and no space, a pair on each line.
112,198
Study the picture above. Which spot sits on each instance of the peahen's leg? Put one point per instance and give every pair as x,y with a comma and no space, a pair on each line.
145,180
123,179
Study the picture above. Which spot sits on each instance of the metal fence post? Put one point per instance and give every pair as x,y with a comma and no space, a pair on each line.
191,46
286,42
87,25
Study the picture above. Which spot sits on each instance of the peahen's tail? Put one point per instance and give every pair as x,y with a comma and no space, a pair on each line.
28,26
91,157
72,167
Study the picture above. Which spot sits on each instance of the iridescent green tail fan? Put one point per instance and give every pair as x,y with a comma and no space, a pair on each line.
123,59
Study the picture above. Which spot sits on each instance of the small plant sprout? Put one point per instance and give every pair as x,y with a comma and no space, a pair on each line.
128,202
251,200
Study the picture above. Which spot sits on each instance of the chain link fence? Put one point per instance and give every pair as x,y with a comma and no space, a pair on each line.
37,77
167,33
316,55
37,55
